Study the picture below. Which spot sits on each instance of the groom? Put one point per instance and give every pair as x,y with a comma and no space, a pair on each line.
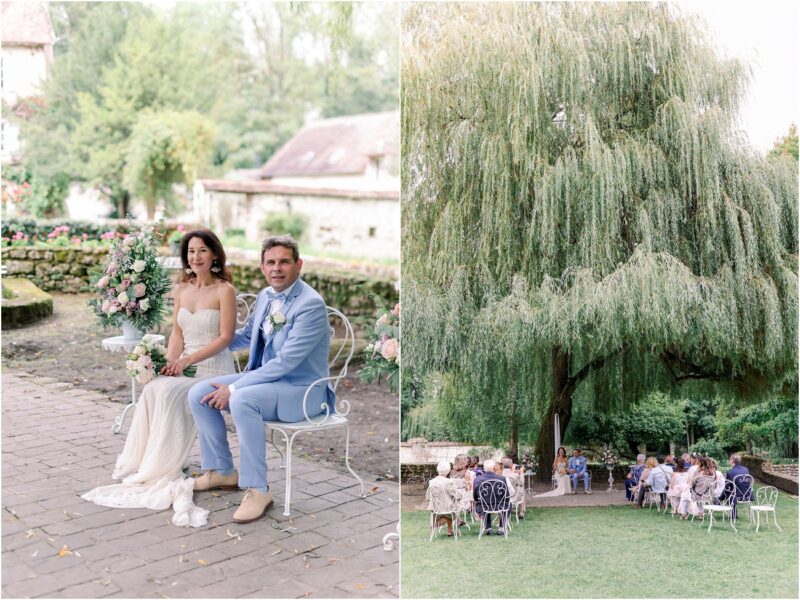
289,338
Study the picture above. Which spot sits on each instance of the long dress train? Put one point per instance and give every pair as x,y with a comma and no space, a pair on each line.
564,486
162,433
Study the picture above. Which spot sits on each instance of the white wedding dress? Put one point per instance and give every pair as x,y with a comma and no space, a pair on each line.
564,486
162,433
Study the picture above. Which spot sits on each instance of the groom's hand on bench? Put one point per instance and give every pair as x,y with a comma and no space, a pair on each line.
219,398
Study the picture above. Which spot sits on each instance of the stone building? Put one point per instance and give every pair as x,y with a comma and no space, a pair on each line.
341,174
25,59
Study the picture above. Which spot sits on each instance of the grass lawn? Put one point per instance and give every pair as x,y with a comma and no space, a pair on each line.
604,552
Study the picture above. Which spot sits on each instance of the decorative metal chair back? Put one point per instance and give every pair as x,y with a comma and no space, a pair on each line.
463,496
744,488
442,499
637,473
767,496
728,496
244,306
494,496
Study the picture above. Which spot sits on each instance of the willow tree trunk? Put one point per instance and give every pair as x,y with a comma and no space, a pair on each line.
513,440
561,405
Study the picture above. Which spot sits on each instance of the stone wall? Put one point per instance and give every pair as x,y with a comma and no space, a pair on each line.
772,475
68,270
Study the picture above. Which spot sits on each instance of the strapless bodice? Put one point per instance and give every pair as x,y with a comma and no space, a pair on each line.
200,329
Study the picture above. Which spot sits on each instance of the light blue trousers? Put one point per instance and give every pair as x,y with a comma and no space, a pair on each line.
574,478
249,407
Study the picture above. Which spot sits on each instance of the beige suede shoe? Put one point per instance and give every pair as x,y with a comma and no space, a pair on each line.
211,480
253,506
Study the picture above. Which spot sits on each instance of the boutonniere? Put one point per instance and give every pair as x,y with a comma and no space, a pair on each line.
278,320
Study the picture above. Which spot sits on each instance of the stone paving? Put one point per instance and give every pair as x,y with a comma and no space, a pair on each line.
57,444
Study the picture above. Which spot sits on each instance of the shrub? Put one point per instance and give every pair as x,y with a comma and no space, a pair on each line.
286,223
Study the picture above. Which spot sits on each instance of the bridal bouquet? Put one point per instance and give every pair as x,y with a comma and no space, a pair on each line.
383,353
132,284
147,359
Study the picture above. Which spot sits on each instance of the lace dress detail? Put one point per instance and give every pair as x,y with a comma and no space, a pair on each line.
162,433
564,485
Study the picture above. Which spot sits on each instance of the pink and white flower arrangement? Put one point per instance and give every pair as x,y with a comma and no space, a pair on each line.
383,353
145,361
132,283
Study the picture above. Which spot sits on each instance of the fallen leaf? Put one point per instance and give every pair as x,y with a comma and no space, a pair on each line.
278,551
78,554
65,551
234,534
307,565
373,489
154,580
35,554
313,516
29,534
215,494
202,562
359,586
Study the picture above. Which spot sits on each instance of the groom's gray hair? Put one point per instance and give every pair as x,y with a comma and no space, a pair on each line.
286,241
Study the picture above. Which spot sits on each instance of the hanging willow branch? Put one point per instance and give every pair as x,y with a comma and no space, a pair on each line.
574,179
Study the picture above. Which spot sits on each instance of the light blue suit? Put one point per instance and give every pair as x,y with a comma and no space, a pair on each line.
578,464
282,364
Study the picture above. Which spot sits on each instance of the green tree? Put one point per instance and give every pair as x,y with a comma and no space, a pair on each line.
578,207
165,148
786,145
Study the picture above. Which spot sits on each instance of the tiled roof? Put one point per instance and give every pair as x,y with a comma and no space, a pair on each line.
267,187
338,146
26,24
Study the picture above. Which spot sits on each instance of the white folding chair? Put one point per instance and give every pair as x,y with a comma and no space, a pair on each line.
766,499
744,493
327,419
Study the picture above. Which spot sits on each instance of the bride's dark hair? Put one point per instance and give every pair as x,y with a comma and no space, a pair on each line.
212,243
558,452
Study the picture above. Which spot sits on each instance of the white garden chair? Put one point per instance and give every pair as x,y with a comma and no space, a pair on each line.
721,505
519,495
744,493
494,499
766,499
464,500
244,306
658,490
443,502
702,492
326,420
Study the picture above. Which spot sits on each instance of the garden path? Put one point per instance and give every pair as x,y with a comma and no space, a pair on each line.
57,444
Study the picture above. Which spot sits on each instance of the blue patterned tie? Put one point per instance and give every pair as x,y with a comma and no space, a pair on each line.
276,296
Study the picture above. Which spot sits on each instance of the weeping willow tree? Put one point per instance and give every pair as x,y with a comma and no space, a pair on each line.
581,214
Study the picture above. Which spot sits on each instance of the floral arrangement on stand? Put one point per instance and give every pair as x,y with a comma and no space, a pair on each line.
530,461
383,351
609,456
132,283
147,358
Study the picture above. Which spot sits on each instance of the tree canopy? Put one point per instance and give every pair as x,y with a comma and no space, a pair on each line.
580,214
255,71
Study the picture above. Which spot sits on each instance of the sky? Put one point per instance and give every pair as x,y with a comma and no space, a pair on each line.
766,35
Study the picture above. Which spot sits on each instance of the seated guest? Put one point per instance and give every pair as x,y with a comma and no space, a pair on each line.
670,461
449,502
694,465
489,474
719,478
686,460
632,479
576,467
475,466
669,468
463,478
679,483
650,464
696,487
743,485
657,478
517,474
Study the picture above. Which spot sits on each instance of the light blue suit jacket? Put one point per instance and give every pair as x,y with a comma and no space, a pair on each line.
299,350
577,464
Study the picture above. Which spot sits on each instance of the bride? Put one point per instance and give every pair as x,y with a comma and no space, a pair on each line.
560,473
162,431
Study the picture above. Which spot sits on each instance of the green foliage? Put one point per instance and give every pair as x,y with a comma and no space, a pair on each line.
40,228
41,196
574,183
786,145
710,447
768,425
166,147
286,223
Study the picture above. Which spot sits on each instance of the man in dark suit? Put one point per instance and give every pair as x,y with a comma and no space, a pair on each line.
743,486
489,475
